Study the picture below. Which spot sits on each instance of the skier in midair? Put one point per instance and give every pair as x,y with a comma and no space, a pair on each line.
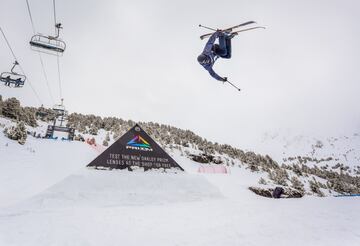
213,51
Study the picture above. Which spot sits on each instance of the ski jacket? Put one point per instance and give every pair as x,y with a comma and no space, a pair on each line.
213,57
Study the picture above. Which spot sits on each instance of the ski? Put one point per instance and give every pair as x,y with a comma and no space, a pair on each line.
228,29
237,26
248,29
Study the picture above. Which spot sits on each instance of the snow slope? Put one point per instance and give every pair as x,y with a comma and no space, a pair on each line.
29,169
237,218
101,188
48,197
284,144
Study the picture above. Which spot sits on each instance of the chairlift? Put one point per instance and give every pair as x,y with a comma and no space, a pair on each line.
60,111
41,112
18,80
48,44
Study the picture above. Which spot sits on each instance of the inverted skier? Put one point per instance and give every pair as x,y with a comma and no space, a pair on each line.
213,51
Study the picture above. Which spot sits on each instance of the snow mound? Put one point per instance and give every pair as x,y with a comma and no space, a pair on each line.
100,188
26,170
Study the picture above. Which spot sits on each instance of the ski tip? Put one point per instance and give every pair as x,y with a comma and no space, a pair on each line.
250,22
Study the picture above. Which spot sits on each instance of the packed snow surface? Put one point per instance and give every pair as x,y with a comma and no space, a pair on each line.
49,197
100,188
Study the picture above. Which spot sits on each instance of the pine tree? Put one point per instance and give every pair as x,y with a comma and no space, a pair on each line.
296,184
28,116
93,130
17,132
279,176
1,104
11,108
262,181
314,186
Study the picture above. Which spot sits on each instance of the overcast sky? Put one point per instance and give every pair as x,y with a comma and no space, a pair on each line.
137,60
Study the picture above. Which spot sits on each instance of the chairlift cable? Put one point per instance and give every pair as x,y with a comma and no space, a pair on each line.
32,88
57,55
40,57
46,77
31,19
8,44
54,5
59,76
22,70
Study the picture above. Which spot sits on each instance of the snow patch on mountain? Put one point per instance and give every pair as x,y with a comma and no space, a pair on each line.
283,145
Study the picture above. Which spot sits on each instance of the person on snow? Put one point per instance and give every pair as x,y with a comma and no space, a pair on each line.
278,192
213,51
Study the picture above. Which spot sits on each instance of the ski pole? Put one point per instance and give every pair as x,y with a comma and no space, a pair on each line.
212,29
233,85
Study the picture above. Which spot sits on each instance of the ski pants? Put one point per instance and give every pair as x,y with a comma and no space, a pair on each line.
223,49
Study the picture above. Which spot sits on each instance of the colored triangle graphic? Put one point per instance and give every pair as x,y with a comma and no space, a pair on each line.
138,141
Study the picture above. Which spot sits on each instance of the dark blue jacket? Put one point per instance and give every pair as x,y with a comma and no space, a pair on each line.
209,53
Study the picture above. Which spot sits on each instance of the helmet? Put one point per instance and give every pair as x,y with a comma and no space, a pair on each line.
204,59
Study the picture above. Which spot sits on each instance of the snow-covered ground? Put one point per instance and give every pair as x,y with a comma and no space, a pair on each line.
49,197
283,144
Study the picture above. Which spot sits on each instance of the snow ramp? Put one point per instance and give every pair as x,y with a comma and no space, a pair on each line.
101,188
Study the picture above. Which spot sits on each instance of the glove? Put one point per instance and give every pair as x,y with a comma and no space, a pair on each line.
224,79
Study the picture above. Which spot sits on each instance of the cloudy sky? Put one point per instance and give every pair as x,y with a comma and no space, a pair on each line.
137,60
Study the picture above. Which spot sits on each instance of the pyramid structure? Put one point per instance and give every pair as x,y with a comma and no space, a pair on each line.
134,149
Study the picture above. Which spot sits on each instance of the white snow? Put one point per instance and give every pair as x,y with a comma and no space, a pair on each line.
283,144
29,169
48,197
103,188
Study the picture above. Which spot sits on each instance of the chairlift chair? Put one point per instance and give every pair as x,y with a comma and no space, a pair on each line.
18,80
48,44
59,110
41,112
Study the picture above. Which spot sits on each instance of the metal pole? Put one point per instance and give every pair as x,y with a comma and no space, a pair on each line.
233,85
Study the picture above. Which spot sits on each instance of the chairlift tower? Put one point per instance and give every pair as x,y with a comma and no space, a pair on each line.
59,124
